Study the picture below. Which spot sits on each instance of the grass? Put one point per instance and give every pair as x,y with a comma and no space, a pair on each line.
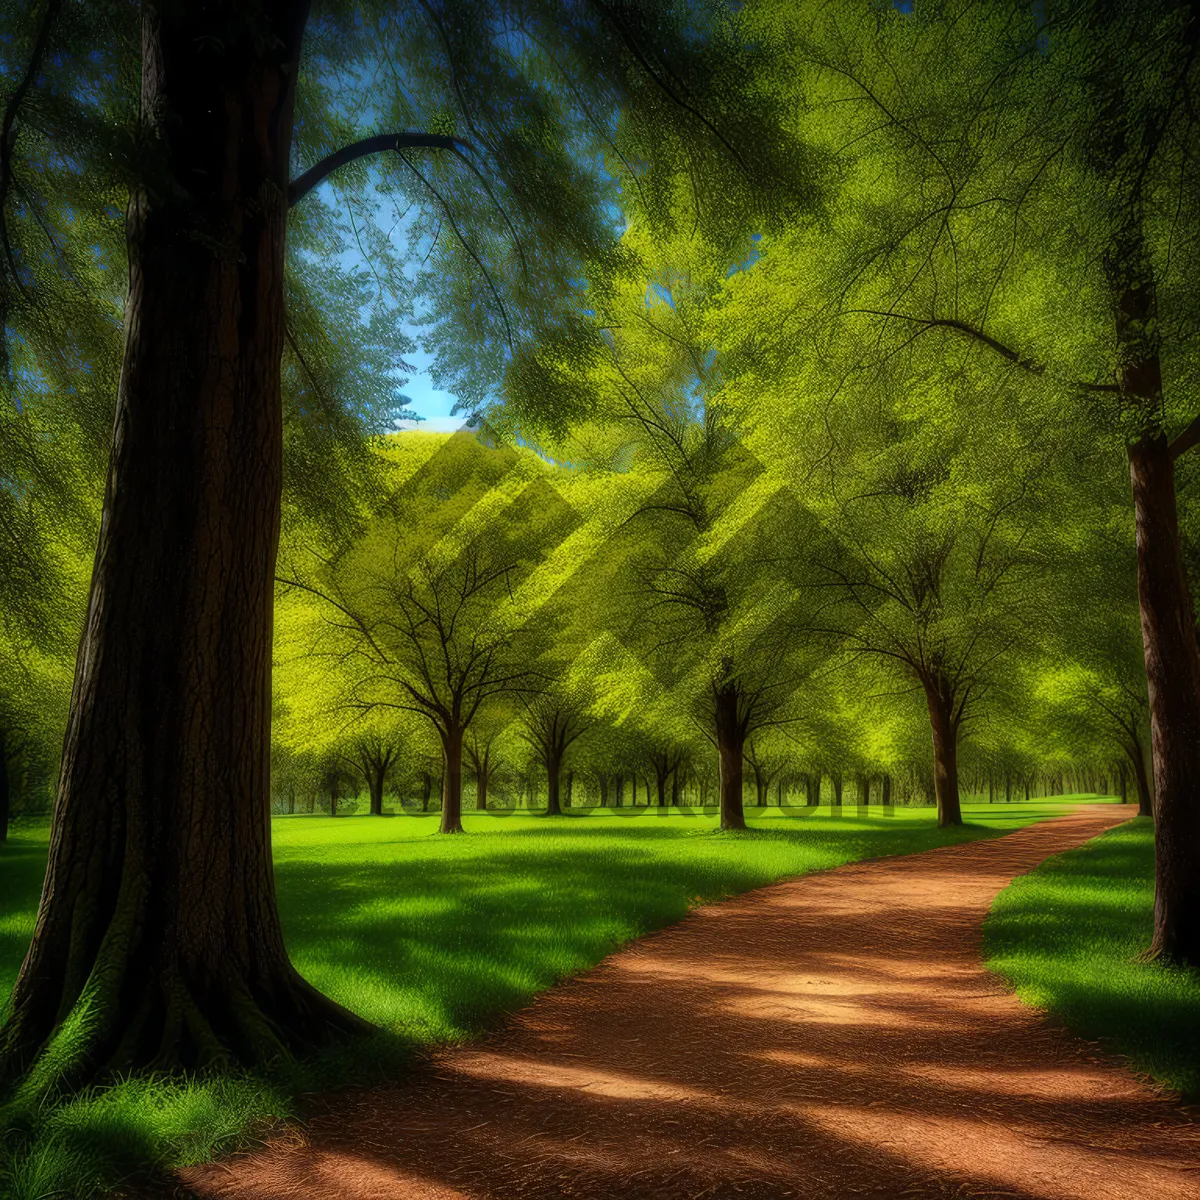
1067,937
434,939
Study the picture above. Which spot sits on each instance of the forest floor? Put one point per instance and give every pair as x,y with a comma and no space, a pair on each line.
830,1036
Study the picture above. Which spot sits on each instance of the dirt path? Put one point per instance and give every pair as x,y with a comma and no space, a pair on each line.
833,1036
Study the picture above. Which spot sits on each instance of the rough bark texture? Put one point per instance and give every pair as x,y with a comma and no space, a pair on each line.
158,926
1173,681
945,754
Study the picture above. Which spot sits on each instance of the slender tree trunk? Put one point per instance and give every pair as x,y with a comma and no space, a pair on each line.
602,780
863,788
1123,783
1173,680
426,790
481,786
452,744
886,791
837,789
1142,778
158,927
553,771
730,743
945,755
375,788
5,787
814,790
333,797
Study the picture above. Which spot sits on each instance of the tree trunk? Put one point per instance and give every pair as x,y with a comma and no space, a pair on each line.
945,755
1142,778
333,797
863,788
1123,782
158,931
426,790
730,743
553,771
481,787
837,789
1173,681
452,744
814,790
886,791
375,788
5,788
602,781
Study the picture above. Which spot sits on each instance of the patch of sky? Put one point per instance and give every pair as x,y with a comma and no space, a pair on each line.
662,292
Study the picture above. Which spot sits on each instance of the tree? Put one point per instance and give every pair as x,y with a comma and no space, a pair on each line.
1037,223
552,722
374,757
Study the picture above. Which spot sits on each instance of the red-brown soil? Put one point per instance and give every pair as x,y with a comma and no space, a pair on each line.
833,1036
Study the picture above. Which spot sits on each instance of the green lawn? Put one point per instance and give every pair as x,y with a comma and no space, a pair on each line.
433,938
1067,936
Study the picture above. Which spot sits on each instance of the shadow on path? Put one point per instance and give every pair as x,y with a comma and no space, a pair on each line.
832,1036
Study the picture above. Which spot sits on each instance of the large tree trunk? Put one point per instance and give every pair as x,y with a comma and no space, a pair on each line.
1173,681
945,754
452,745
158,932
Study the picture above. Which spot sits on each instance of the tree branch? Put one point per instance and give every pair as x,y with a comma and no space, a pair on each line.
378,144
1187,439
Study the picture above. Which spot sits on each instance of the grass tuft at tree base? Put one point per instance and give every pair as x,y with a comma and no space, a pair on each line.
1068,937
434,939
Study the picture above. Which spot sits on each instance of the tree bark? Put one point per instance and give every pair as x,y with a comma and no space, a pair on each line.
886,791
158,932
945,753
837,789
1173,683
452,746
814,790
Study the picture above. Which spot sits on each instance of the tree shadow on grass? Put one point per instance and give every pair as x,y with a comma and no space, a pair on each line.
1068,935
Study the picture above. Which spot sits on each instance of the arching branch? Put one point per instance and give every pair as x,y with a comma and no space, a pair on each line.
378,144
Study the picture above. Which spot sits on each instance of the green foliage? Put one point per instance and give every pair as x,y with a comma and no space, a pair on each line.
1067,937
